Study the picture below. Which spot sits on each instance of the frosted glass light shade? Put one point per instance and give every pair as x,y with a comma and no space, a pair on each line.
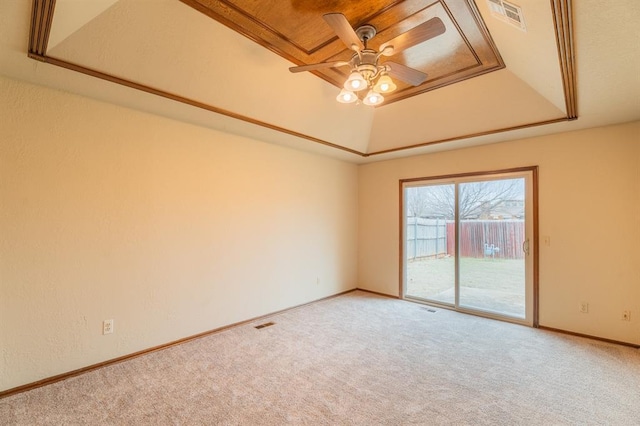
355,82
346,97
385,85
373,98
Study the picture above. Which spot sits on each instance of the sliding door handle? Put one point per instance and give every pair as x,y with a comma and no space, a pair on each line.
525,246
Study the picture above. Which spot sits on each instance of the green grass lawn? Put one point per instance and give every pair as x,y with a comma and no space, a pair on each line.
487,284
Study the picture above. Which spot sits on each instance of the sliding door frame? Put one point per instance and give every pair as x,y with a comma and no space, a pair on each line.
534,177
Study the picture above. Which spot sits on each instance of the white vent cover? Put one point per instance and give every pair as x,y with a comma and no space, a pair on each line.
507,12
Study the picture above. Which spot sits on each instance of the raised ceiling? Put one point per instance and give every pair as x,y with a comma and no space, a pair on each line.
296,31
570,69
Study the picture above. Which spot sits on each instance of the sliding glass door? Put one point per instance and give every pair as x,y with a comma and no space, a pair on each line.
467,243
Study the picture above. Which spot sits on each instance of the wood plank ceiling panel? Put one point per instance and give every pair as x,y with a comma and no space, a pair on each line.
296,31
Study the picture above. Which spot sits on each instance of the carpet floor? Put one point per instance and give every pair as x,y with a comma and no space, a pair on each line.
357,359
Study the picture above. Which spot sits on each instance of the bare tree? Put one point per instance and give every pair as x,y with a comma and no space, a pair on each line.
417,201
475,198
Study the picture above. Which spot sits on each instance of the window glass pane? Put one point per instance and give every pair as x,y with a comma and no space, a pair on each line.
492,233
430,242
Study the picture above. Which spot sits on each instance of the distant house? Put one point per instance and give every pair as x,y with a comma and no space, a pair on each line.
502,209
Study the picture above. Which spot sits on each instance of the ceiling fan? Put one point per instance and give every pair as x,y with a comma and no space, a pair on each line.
367,72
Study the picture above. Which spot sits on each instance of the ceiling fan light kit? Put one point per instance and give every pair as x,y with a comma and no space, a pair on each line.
366,70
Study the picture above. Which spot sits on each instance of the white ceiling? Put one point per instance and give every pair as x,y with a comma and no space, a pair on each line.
169,46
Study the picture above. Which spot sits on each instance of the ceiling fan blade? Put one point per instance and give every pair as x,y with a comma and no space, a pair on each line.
406,74
319,66
340,25
423,32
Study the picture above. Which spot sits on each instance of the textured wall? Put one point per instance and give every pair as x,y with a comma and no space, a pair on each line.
589,206
168,228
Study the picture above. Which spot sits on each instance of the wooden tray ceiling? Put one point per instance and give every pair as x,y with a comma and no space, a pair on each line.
296,31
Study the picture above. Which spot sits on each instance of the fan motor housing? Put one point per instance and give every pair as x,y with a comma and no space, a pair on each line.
366,63
368,56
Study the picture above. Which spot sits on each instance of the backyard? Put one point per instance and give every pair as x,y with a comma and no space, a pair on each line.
491,284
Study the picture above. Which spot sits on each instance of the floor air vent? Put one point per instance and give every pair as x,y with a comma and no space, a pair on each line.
429,309
266,324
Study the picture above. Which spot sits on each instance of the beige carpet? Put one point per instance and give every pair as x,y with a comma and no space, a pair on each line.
356,359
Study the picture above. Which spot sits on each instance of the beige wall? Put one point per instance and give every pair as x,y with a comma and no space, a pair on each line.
168,228
589,207
173,229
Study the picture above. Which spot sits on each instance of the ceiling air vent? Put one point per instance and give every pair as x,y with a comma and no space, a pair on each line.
507,12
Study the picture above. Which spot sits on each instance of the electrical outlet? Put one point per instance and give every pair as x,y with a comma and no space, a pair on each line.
107,326
626,316
584,307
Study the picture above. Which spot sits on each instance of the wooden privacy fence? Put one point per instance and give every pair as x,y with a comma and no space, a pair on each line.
501,239
426,237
